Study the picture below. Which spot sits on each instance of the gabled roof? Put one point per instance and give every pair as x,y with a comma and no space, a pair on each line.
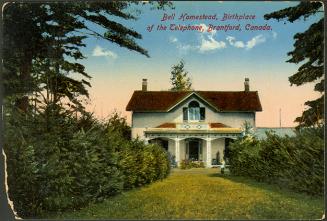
163,101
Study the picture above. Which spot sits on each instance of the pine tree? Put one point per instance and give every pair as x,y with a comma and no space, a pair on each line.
179,78
308,48
41,51
43,41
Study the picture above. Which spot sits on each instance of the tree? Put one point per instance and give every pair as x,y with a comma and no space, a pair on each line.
179,78
117,125
43,41
44,141
308,48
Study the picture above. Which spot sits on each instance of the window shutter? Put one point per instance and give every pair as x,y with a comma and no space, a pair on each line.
185,117
202,113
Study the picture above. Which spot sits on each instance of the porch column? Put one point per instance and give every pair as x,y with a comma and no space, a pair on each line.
146,140
177,151
208,152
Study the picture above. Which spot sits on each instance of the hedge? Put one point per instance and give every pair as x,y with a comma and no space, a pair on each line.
142,164
67,168
293,162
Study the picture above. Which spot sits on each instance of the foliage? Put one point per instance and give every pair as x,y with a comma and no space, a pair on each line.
43,47
117,125
22,168
293,162
247,129
308,48
226,157
179,78
188,164
74,162
204,194
59,156
142,164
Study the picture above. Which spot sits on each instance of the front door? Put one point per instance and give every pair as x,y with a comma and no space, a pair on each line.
193,150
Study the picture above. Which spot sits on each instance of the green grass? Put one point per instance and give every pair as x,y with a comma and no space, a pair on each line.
204,194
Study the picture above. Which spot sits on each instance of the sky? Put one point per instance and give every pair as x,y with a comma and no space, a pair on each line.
217,60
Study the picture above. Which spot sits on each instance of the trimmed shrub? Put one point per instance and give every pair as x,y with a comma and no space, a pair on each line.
188,164
142,164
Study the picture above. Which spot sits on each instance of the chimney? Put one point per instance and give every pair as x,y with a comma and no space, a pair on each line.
144,84
246,84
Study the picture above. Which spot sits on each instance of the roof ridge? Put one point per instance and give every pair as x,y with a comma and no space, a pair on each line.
163,101
162,91
192,91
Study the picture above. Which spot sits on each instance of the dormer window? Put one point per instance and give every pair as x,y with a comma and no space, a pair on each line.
193,112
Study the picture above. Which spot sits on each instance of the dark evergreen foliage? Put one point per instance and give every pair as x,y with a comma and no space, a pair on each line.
43,42
293,162
308,48
142,164
59,157
67,166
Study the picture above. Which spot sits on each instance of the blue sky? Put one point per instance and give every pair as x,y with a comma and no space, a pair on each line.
215,61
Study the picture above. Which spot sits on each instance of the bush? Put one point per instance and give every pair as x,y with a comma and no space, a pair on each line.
142,164
296,162
188,164
60,163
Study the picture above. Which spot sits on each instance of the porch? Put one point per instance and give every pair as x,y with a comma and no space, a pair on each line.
194,143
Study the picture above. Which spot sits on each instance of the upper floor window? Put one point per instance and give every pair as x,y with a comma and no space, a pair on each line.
193,112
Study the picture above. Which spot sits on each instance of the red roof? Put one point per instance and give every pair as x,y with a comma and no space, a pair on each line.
167,125
217,125
162,101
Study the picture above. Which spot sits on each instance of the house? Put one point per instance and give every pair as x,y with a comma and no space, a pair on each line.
193,125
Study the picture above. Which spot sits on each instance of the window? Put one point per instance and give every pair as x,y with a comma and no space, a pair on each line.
185,113
193,112
202,113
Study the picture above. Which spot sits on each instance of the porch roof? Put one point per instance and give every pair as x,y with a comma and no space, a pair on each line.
211,125
193,131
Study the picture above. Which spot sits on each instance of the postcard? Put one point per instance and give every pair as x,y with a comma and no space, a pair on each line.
163,110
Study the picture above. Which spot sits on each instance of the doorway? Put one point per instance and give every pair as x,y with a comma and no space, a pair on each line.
193,150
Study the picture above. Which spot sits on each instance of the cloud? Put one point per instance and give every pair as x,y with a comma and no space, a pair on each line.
255,41
182,48
205,30
100,52
173,39
232,42
206,42
239,44
274,35
249,44
185,47
210,44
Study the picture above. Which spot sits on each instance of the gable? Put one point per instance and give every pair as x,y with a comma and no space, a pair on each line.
193,97
163,101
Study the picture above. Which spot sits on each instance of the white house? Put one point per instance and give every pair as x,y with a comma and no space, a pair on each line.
194,125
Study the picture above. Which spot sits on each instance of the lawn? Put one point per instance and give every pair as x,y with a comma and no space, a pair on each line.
204,194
